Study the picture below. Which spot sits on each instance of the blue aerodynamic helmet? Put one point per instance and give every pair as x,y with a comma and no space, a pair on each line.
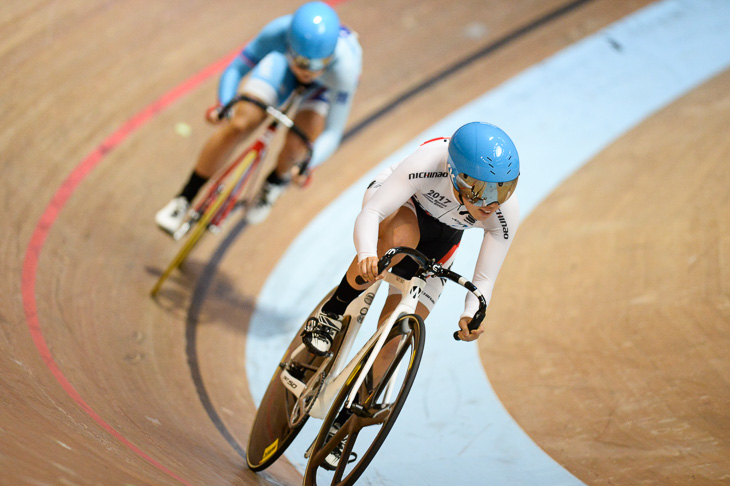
483,164
312,35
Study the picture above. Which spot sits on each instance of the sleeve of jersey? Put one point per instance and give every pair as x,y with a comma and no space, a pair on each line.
394,192
271,38
495,245
340,105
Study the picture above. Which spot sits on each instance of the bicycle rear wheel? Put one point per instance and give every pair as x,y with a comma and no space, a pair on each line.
281,414
373,412
199,229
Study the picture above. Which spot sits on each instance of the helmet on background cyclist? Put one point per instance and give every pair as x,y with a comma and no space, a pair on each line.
312,36
483,164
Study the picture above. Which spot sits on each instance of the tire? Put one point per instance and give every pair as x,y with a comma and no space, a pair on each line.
281,415
272,430
381,419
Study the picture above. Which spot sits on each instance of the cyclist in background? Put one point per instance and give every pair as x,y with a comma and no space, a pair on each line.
308,49
426,202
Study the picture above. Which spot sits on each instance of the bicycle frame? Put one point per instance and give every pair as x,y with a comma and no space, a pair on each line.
342,368
307,385
221,199
260,147
246,167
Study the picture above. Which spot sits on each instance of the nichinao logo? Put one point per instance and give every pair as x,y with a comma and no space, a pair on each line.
427,175
503,222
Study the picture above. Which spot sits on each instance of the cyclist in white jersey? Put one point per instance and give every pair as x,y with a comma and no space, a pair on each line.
308,50
426,202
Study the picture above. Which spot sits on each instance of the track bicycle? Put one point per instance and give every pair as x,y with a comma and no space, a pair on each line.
371,391
234,188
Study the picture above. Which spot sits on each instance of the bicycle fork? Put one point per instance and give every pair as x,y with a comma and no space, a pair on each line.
406,306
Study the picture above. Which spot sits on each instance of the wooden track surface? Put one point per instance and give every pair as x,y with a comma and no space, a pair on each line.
608,335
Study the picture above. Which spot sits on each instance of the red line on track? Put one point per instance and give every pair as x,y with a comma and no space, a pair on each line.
57,203
33,252
54,208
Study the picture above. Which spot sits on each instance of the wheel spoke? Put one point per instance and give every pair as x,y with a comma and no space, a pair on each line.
346,451
383,382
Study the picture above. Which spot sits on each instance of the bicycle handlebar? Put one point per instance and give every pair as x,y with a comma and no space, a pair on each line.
427,266
279,117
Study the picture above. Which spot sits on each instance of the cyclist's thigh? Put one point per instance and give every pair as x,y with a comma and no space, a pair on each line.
437,241
429,296
311,115
310,122
317,99
400,228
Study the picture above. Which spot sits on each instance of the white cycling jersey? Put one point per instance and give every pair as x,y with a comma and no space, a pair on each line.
424,176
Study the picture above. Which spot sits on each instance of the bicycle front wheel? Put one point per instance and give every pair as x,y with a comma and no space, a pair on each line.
282,413
375,409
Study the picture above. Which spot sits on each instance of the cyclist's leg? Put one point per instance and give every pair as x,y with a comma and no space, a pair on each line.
398,229
311,118
383,360
268,82
219,147
293,150
263,84
440,243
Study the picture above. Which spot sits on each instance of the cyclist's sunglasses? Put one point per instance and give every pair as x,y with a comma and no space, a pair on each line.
481,193
305,63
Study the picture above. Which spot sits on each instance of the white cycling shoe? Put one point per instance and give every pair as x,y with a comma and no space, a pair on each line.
332,460
269,194
170,217
319,332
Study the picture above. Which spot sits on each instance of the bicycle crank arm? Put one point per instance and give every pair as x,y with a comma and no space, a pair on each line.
292,384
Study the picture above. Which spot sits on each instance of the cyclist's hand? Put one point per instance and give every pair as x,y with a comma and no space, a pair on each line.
465,334
213,114
369,269
301,179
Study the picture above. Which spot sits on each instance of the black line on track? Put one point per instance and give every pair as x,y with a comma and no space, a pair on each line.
210,269
461,64
191,328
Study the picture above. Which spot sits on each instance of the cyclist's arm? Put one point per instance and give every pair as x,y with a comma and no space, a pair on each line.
393,193
498,237
341,80
271,38
330,138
